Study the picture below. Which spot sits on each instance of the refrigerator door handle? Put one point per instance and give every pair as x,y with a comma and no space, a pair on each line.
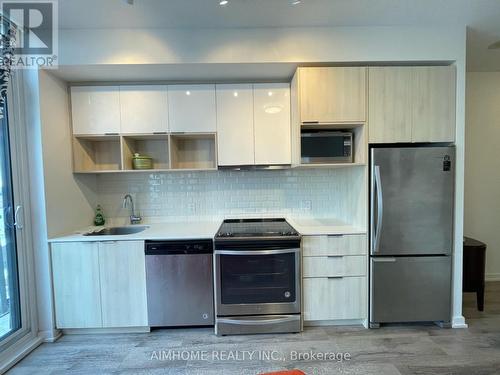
377,225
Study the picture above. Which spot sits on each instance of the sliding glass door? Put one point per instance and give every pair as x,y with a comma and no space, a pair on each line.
10,315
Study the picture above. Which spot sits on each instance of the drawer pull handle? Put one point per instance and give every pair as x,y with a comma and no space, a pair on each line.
335,256
335,277
335,235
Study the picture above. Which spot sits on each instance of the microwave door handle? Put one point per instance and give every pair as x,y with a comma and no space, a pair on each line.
377,199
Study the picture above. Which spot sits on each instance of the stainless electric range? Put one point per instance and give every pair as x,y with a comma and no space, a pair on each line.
257,277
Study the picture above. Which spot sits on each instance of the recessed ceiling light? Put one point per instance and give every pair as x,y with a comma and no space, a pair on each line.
188,93
235,94
223,2
296,2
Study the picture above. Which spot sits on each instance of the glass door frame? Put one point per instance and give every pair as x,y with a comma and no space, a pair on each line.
26,337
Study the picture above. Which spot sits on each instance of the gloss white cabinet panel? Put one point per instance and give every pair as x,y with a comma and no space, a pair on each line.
272,123
123,283
191,108
95,110
143,109
75,275
235,124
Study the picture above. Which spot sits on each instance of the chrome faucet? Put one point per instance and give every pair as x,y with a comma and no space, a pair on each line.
128,201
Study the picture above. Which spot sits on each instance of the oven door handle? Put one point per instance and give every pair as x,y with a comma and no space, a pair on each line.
257,321
256,252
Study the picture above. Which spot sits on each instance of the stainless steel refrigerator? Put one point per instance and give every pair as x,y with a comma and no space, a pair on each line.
411,233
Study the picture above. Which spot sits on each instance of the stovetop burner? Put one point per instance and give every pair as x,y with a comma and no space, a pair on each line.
251,228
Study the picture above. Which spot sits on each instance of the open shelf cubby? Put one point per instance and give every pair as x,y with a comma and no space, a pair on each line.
154,146
96,153
359,147
193,151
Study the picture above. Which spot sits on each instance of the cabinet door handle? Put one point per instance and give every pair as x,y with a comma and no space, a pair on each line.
335,235
335,277
335,256
110,133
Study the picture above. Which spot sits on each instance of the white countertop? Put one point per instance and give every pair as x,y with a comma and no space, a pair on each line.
323,226
154,231
207,230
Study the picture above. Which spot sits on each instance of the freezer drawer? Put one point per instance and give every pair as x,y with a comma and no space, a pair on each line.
410,289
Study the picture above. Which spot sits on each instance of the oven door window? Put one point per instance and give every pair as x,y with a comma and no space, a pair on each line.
257,278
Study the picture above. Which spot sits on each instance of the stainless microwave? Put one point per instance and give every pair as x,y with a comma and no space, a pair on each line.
326,146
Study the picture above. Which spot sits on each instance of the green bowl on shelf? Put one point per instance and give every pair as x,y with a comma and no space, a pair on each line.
142,162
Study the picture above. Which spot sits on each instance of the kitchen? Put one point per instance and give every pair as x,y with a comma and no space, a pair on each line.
244,188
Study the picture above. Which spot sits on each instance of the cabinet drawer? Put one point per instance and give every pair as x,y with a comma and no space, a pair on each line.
350,244
335,298
335,266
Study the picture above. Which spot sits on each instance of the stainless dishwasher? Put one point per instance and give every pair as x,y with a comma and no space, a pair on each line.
179,283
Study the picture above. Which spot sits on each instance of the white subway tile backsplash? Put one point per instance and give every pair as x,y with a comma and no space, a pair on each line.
193,195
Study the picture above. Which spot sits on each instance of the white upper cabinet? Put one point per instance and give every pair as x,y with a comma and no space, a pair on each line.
235,124
191,108
95,109
272,123
143,109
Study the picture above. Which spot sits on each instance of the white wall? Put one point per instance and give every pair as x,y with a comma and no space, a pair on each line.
261,45
69,200
482,172
60,203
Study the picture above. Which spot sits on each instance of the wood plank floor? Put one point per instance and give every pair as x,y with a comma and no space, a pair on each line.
388,351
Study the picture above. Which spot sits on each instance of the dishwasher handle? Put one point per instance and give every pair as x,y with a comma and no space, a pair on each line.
188,247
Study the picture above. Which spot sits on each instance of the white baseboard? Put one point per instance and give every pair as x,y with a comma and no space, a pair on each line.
459,322
343,322
492,277
51,335
93,331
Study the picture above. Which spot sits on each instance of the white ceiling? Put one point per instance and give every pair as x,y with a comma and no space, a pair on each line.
482,17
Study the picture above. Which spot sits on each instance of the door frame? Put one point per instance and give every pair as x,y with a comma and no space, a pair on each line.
17,345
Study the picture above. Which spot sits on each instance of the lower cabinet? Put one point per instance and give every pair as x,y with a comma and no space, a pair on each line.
99,284
75,274
334,278
335,298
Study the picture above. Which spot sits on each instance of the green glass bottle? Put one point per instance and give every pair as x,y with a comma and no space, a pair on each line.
99,216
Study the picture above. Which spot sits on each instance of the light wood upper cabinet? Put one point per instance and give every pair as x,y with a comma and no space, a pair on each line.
272,123
95,109
412,104
143,109
235,124
123,284
191,108
332,94
434,101
390,97
75,269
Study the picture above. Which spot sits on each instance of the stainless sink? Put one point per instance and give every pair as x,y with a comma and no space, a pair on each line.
116,231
